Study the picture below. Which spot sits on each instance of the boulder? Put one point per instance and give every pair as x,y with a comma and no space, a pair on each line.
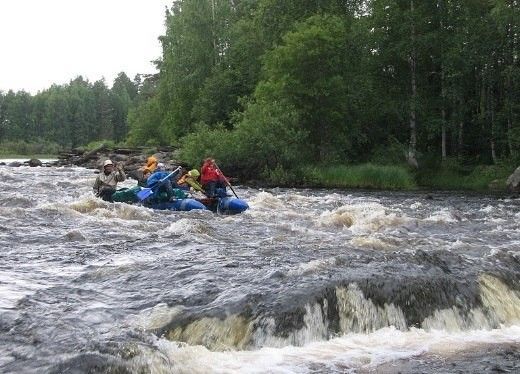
513,182
495,185
33,162
15,164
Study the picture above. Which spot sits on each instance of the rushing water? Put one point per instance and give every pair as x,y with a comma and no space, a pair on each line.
305,281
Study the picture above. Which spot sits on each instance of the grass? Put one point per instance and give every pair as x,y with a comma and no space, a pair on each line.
369,176
478,179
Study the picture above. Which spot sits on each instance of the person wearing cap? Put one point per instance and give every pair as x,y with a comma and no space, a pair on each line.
190,179
106,182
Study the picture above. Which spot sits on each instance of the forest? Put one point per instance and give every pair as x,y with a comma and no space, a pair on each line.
283,89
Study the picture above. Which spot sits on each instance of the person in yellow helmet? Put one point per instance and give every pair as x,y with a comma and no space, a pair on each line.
190,179
151,163
149,168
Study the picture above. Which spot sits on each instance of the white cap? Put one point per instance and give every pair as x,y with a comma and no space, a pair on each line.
107,162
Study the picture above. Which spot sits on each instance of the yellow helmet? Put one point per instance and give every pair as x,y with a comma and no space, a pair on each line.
194,173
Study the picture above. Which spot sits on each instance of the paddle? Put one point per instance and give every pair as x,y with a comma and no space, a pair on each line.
227,182
146,192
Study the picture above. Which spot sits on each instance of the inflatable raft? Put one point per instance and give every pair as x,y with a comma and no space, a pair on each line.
222,205
225,205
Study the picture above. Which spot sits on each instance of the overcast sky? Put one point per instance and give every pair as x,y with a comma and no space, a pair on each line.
52,41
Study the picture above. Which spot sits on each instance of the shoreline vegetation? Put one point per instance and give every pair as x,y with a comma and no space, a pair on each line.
384,95
449,176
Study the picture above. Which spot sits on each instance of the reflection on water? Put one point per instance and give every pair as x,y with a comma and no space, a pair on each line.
304,281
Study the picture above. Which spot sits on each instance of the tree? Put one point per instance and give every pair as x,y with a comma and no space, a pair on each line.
122,94
311,70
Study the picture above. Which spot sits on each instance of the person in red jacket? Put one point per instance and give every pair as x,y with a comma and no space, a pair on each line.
212,179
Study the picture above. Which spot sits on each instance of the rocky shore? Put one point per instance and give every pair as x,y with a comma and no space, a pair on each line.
132,159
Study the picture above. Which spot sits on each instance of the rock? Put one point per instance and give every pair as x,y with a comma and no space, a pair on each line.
495,185
33,162
119,157
15,164
513,182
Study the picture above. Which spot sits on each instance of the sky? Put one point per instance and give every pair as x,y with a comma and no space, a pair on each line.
53,41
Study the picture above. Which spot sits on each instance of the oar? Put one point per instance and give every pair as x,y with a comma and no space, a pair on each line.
227,182
146,192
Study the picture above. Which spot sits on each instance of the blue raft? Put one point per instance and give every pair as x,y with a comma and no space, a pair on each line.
129,196
225,205
219,204
184,205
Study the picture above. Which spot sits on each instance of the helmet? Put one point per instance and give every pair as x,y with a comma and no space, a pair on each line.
194,173
107,162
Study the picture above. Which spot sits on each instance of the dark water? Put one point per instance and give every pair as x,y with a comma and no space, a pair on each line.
303,282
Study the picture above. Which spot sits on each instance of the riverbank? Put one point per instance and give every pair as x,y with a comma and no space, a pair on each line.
449,176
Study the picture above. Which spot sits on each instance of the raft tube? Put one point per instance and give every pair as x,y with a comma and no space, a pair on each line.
225,205
184,205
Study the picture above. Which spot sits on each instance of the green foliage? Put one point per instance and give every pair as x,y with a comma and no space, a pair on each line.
453,176
98,143
145,124
308,72
21,147
70,115
360,176
280,176
207,142
391,153
268,85
265,136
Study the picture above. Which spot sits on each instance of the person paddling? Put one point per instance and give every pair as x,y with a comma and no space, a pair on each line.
106,182
212,179
162,182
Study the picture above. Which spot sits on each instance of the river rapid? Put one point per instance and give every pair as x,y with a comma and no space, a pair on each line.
305,281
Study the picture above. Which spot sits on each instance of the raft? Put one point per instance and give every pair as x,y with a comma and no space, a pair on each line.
225,205
129,196
184,205
218,204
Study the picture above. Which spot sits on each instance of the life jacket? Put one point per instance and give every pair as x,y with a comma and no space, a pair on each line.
210,173
191,181
151,163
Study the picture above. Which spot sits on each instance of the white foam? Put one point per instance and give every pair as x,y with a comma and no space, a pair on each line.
444,215
348,353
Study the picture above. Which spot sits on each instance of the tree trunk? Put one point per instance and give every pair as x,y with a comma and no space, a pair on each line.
443,86
460,139
492,124
443,133
412,148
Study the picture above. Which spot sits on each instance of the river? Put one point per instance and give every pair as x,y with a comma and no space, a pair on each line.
305,281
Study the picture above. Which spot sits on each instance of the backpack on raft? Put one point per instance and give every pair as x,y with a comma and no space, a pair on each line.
126,195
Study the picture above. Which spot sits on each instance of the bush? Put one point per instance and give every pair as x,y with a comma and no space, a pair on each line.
280,176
